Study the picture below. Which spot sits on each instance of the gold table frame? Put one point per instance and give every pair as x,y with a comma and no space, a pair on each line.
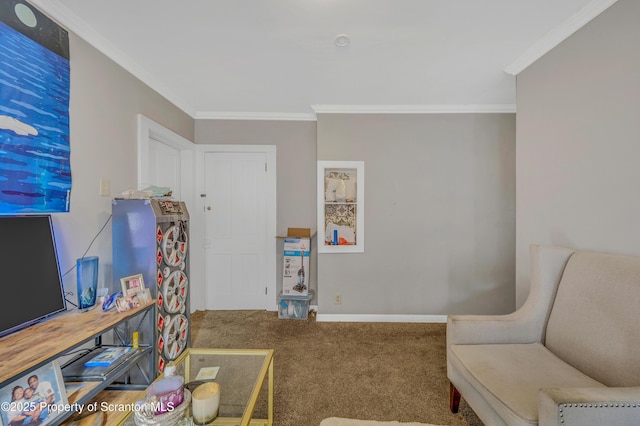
183,367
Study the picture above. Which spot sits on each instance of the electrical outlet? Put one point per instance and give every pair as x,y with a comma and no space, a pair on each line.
337,300
105,187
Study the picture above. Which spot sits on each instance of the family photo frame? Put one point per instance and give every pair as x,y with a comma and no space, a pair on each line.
30,397
134,293
132,285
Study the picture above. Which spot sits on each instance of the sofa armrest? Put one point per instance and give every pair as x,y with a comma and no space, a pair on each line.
589,406
489,329
527,324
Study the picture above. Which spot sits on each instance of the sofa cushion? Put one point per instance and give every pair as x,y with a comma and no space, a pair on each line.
593,323
510,375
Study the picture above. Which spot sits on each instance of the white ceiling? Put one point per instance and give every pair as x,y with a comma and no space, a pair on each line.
278,58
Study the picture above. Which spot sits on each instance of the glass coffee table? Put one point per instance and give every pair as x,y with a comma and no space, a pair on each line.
241,375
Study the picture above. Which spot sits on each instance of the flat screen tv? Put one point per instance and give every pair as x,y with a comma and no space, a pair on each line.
31,284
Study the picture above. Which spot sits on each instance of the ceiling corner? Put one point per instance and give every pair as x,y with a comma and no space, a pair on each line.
559,34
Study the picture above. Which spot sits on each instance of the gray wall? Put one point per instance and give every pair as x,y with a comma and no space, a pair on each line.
105,101
578,150
295,143
439,214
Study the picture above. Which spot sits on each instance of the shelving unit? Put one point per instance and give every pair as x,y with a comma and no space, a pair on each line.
340,206
56,339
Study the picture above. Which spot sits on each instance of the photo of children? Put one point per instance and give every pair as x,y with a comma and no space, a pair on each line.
30,397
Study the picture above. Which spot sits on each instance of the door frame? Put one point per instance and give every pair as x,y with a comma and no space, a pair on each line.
271,206
147,130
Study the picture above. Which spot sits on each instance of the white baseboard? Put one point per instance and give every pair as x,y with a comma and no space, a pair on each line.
380,318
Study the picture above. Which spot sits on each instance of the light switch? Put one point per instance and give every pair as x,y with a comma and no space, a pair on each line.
105,187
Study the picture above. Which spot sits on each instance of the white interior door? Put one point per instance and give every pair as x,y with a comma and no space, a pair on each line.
239,231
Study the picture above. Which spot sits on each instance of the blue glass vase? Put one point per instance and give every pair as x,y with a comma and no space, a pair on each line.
87,273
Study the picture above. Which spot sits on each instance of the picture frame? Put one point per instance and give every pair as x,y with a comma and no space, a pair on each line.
127,302
144,297
33,395
132,285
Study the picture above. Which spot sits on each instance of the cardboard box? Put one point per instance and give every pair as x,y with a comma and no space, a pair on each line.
299,232
295,269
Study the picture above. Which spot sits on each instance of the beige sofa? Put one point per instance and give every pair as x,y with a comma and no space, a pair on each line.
569,356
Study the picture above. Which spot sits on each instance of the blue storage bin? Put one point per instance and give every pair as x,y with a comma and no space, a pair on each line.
294,307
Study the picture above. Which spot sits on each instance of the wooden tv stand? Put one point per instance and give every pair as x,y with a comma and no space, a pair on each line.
54,339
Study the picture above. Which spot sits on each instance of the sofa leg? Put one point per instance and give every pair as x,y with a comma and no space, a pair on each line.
454,398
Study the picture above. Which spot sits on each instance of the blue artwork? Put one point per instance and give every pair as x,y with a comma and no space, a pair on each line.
35,168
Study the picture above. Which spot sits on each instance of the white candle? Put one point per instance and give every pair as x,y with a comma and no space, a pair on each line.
205,402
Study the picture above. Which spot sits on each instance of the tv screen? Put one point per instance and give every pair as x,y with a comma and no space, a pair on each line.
31,284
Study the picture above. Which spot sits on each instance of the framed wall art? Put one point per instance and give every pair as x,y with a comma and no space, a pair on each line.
35,167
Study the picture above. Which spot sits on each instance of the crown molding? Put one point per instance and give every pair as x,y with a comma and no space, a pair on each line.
64,17
559,34
413,109
356,109
275,116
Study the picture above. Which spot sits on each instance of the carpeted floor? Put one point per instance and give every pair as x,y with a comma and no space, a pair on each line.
368,371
